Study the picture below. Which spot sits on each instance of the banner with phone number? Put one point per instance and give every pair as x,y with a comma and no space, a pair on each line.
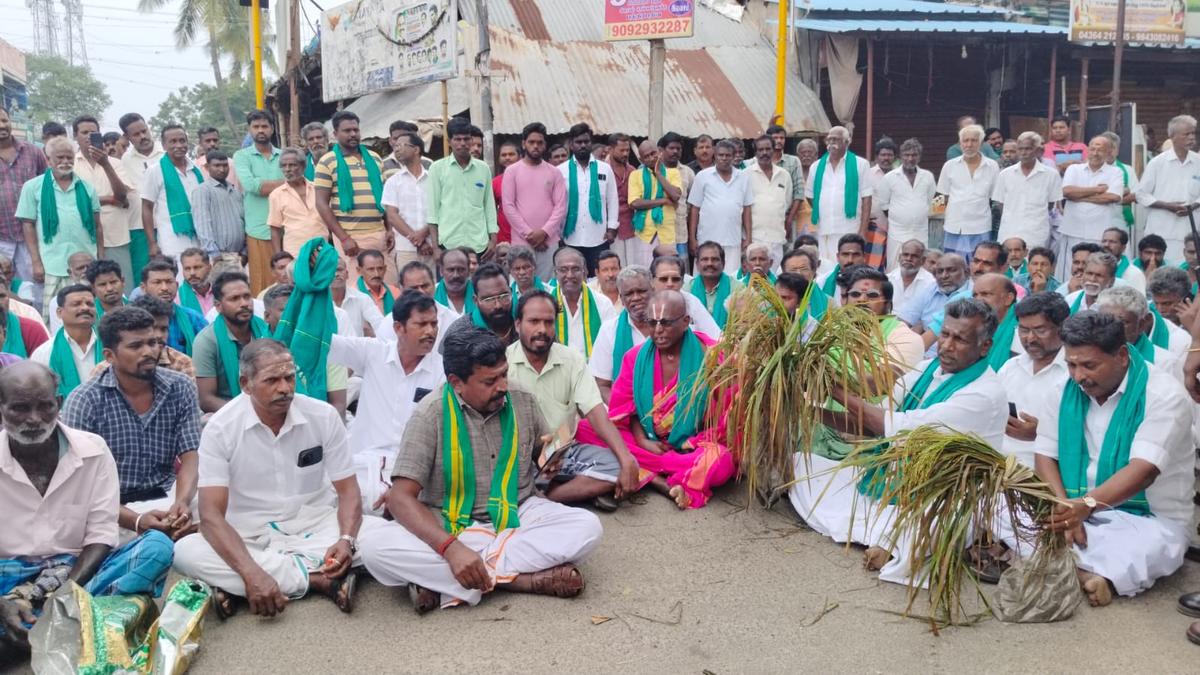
648,19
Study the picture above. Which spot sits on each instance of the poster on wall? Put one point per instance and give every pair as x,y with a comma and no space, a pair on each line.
1147,22
648,19
376,45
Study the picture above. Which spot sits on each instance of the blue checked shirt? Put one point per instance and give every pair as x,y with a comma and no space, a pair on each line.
144,446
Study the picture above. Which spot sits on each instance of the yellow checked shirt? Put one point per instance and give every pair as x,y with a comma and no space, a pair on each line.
365,217
666,229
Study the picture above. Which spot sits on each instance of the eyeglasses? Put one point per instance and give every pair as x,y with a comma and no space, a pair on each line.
869,295
671,280
573,269
1042,332
498,299
664,323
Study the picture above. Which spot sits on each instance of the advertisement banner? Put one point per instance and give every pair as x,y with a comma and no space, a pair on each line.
648,19
375,45
1149,22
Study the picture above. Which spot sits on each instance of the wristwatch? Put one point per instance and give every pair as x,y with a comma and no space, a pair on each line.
1088,501
349,539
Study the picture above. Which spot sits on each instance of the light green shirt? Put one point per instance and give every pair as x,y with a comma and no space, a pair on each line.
71,237
563,388
252,169
460,203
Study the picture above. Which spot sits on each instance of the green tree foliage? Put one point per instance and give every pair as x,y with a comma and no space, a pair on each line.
61,92
200,105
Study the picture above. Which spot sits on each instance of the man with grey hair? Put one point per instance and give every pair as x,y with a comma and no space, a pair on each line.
905,194
1099,274
956,150
1130,308
1129,180
623,332
966,184
909,279
316,144
292,207
807,151
1170,188
1171,292
1027,191
840,189
1092,190
721,200
277,540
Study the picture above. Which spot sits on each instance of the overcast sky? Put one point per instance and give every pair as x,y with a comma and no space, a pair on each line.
131,52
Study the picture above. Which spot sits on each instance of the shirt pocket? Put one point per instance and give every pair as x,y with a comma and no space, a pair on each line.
70,524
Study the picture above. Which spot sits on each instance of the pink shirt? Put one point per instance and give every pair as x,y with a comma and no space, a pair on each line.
534,197
79,508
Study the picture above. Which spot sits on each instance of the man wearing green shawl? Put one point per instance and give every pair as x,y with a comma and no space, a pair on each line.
1171,290
592,204
108,282
195,292
275,306
957,390
61,216
581,311
372,267
760,261
166,191
492,304
218,347
839,187
1000,293
711,285
74,351
623,332
158,280
1114,440
1131,309
463,492
454,289
1115,240
1099,274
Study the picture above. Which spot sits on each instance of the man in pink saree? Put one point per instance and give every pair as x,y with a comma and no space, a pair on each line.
658,404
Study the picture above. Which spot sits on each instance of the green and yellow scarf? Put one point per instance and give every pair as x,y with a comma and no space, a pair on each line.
345,182
850,193
227,349
458,469
719,313
656,213
1073,454
48,207
179,206
1002,340
595,209
14,342
691,393
589,312
62,362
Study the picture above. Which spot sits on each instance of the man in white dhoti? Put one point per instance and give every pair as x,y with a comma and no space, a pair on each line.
1115,442
280,511
958,390
467,518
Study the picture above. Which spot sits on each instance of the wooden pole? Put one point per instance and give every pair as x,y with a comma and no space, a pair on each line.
256,45
483,63
781,45
1053,83
870,99
1083,92
1118,55
294,74
658,61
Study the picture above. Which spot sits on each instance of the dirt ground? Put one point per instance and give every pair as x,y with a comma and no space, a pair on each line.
719,590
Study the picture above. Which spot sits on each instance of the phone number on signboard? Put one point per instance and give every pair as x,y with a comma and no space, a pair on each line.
650,28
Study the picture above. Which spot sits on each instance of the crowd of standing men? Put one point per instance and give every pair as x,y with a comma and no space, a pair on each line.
272,369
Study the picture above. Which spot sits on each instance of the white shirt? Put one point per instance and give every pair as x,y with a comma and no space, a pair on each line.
1084,220
601,363
262,471
388,395
575,337
1166,179
1030,392
907,204
720,203
114,220
978,408
152,190
969,209
85,355
1161,439
361,311
833,218
1178,339
406,193
1134,276
772,198
1026,201
901,296
702,320
135,165
588,232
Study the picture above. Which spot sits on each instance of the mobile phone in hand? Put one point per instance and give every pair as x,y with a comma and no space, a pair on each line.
97,140
1012,409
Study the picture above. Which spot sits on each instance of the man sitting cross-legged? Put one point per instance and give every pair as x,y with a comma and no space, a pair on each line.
957,390
467,518
59,501
660,414
597,466
280,512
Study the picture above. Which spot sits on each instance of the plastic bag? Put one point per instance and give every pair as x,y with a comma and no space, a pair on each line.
175,637
1041,589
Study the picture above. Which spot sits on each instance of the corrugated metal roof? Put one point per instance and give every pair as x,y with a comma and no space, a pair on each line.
722,90
916,6
937,26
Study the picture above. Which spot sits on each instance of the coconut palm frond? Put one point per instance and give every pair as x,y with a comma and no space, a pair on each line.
947,488
773,373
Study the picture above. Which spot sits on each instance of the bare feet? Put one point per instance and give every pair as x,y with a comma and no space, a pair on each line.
874,558
1096,587
681,497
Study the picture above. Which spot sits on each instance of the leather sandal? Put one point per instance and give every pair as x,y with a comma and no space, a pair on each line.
562,581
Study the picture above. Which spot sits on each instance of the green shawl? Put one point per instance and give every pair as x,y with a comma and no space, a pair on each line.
691,394
622,342
458,469
345,182
14,343
227,349
1073,455
818,303
656,213
719,313
48,205
874,482
469,309
1077,303
189,299
308,321
1160,335
100,308
310,169
179,206
850,193
1126,209
595,209
62,362
1002,340
1122,266
743,277
1144,347
1008,270
389,300
829,287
